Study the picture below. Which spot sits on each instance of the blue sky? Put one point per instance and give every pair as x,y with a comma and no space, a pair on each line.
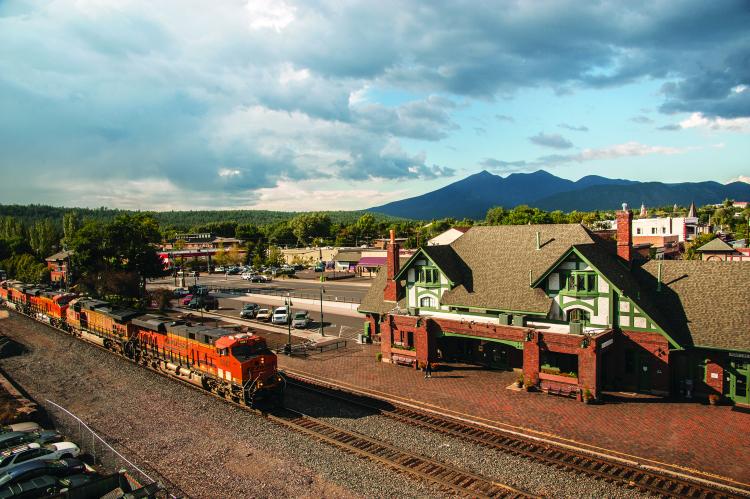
330,105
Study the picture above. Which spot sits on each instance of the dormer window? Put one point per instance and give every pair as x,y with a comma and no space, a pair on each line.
581,282
427,275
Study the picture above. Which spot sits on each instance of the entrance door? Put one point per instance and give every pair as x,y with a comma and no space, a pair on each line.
644,374
739,378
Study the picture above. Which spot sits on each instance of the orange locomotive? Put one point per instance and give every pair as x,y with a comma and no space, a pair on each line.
49,306
239,367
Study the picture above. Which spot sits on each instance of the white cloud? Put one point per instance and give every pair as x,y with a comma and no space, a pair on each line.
274,14
624,150
227,172
698,120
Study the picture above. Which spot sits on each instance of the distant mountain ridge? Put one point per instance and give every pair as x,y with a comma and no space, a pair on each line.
472,196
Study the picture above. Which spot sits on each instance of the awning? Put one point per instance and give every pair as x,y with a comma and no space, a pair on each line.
372,261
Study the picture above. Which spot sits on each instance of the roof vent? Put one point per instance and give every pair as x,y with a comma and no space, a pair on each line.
538,241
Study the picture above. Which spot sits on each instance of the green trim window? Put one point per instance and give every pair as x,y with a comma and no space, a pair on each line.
428,302
427,275
581,282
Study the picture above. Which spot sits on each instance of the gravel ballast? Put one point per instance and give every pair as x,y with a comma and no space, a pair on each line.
204,446
504,468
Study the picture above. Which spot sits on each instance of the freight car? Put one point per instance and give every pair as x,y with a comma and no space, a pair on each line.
239,367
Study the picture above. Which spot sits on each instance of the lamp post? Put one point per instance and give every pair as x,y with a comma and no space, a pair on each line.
288,303
322,290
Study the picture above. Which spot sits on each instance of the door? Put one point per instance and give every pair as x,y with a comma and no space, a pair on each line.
644,374
739,377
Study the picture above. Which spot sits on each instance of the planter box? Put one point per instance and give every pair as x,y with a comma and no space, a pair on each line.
557,378
400,351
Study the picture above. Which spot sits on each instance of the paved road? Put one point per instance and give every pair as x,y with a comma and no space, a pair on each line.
335,324
350,290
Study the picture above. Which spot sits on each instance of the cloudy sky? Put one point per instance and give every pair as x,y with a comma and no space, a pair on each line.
342,105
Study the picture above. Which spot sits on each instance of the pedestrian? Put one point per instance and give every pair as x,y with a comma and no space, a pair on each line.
427,370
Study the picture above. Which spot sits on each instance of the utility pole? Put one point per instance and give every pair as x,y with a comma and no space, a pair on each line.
322,330
288,303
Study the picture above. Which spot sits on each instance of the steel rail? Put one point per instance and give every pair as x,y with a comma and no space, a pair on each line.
644,479
444,476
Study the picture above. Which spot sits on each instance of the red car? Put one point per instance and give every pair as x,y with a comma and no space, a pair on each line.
187,300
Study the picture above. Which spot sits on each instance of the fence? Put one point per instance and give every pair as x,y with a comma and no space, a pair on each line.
101,452
282,293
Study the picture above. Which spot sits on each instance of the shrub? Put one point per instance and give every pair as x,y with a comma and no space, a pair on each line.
379,356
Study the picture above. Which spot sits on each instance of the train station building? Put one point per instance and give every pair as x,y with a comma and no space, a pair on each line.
570,311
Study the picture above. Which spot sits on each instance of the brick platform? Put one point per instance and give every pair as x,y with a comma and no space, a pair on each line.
683,436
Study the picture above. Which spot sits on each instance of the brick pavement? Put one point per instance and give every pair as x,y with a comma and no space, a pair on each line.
687,436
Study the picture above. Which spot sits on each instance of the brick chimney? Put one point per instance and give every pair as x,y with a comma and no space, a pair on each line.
393,265
625,233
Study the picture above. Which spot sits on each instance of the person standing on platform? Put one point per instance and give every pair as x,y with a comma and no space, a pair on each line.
427,370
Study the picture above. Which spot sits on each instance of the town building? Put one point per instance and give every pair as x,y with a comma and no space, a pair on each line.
570,311
448,236
59,266
201,241
718,250
308,256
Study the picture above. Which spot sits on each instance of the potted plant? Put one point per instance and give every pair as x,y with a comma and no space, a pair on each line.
519,381
713,399
379,356
588,397
529,386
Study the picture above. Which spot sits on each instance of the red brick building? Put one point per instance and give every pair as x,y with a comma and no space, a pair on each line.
570,311
59,265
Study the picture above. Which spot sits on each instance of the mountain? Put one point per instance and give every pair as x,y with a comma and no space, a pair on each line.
472,196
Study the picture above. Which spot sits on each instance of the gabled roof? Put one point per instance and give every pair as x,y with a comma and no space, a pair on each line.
497,261
444,257
348,256
716,244
373,301
706,302
61,255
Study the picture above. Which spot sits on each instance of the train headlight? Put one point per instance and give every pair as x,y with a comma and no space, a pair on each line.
260,384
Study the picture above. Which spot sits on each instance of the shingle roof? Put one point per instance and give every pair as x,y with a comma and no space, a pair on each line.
445,257
61,255
707,302
715,244
348,256
497,261
373,300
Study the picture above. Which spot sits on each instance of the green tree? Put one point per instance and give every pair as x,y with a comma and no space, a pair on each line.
496,216
26,268
275,257
365,228
307,226
43,237
71,223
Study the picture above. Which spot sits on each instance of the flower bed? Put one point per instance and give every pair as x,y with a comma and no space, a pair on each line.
559,378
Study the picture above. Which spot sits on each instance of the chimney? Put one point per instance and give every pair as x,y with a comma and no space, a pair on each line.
393,265
625,233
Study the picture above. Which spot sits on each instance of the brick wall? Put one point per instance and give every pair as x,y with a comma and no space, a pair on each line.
625,235
716,361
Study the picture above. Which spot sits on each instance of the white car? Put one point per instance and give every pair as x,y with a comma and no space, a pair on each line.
263,314
24,427
11,458
247,276
301,320
280,316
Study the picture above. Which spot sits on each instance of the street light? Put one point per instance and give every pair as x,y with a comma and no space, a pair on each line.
288,303
322,290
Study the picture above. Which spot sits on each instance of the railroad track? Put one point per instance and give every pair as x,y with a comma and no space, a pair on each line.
443,476
630,476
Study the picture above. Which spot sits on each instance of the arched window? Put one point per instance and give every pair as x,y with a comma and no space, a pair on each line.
578,315
427,301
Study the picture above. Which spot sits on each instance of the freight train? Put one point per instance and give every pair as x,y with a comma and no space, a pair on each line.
239,367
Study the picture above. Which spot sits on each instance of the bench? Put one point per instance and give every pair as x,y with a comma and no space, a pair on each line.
559,389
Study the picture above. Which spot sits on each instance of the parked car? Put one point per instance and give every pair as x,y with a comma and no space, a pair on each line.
32,469
301,320
180,292
319,267
249,310
280,316
234,271
260,278
16,438
263,314
20,427
247,276
35,452
187,299
206,302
